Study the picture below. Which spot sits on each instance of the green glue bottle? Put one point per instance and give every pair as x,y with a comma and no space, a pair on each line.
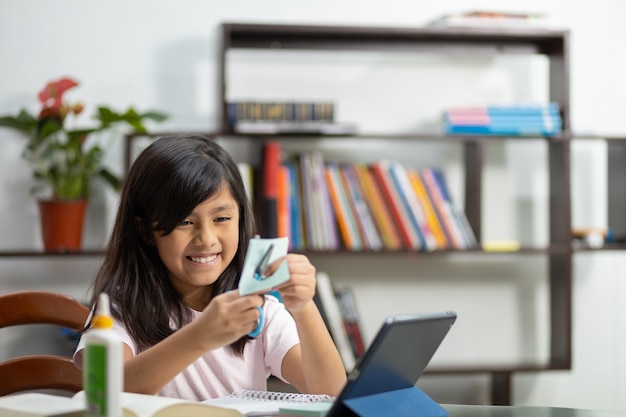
103,364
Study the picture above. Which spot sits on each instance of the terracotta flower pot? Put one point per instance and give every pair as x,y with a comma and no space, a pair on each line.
62,224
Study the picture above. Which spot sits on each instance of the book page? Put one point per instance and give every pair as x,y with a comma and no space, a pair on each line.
144,405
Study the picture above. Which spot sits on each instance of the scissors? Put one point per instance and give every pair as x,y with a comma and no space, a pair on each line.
259,274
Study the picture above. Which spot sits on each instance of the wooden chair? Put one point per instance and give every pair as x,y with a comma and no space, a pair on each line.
38,372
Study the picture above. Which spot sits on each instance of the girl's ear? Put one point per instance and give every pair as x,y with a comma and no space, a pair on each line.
145,231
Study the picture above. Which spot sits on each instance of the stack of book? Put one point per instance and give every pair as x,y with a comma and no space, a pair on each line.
505,120
326,205
272,117
491,18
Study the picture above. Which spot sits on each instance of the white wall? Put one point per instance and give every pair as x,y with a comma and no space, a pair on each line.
160,54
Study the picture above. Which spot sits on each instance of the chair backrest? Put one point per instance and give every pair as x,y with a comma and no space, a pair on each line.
38,372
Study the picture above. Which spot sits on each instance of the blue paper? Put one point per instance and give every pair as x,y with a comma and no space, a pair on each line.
248,284
406,402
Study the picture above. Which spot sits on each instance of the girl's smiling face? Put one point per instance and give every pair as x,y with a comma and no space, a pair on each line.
201,247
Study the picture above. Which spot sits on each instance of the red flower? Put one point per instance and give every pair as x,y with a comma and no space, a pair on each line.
51,97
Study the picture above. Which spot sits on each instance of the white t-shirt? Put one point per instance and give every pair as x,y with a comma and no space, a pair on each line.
220,372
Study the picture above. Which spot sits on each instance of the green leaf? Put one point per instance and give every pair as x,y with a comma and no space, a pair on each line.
23,122
156,116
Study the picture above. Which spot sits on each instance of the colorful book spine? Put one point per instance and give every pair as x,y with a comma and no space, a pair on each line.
280,111
462,224
374,197
541,120
296,229
412,205
505,130
442,208
269,194
509,110
310,214
347,305
283,203
346,219
402,219
324,224
360,208
429,211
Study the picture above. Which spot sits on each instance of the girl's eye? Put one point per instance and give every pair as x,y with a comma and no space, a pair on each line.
185,222
222,219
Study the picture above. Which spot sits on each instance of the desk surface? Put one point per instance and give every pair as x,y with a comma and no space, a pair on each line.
524,411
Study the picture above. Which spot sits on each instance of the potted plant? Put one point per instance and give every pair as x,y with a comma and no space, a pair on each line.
65,161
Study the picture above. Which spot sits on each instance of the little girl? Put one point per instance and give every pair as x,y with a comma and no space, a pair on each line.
172,269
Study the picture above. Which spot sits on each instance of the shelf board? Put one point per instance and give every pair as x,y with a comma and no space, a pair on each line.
448,40
29,253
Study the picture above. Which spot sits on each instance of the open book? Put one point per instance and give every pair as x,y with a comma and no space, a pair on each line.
134,405
265,403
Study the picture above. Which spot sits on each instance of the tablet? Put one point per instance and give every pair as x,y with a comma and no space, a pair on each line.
396,358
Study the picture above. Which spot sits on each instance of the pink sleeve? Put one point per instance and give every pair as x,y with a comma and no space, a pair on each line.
279,335
117,328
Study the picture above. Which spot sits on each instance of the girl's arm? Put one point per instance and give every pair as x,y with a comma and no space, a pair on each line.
227,318
314,366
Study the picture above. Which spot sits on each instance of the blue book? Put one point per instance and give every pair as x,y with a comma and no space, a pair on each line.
297,224
402,188
505,130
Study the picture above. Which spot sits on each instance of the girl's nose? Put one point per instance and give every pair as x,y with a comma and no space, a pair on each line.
206,236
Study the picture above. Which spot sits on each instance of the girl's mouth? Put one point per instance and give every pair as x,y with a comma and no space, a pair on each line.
203,259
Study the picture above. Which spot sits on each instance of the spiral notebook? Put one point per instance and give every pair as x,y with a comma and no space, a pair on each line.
264,403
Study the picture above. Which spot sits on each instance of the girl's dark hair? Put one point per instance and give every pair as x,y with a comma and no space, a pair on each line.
165,183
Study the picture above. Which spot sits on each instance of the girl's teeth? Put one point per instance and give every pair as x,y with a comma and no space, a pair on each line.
204,260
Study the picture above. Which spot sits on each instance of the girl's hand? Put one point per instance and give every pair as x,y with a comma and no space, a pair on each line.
227,318
299,290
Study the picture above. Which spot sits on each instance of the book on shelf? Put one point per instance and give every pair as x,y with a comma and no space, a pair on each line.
514,120
429,210
265,403
296,228
454,220
469,239
247,175
375,199
33,404
410,235
271,163
360,208
321,229
491,18
443,208
302,128
524,129
344,215
351,319
283,202
280,111
412,204
332,312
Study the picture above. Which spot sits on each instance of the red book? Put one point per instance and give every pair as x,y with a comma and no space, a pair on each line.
375,200
400,217
269,192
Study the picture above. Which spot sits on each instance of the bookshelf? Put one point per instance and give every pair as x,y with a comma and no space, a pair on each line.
554,45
